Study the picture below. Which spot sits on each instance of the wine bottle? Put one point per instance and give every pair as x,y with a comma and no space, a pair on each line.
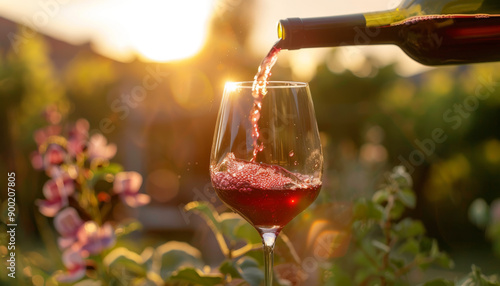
432,32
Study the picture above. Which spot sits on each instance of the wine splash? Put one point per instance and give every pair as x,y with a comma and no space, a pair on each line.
259,90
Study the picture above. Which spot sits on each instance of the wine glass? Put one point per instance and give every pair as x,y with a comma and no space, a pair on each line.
272,185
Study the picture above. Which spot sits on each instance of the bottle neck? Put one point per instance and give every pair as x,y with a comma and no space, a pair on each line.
355,29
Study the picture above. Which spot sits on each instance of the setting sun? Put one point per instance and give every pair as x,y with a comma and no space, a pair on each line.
169,30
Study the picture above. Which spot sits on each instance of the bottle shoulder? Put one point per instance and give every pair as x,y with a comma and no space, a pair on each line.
453,39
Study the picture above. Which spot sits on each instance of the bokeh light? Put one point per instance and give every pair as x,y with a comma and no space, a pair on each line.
162,185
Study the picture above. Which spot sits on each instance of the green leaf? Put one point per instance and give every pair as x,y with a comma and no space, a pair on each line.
246,268
194,276
410,246
175,255
444,261
339,277
362,228
493,231
229,268
150,260
401,177
102,173
364,258
111,168
389,277
496,247
407,197
425,244
207,211
213,220
122,257
250,271
439,282
479,213
380,196
365,210
434,252
283,242
247,232
477,278
127,226
397,210
409,228
422,261
382,246
398,263
228,223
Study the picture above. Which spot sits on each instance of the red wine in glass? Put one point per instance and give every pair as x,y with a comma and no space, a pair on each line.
267,196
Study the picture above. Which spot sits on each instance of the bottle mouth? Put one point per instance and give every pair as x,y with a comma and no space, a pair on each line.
291,33
281,31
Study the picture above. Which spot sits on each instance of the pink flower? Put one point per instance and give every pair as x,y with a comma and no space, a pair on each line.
51,114
87,238
127,185
93,239
77,139
53,156
495,211
36,160
67,223
56,192
75,266
99,148
42,135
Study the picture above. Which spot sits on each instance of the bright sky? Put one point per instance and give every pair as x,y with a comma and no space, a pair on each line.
157,30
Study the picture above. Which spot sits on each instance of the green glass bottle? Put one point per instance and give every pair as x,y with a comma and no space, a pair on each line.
432,32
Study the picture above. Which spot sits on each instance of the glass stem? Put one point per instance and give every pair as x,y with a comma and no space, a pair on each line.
269,238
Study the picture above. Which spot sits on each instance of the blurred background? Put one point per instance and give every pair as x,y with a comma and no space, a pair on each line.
149,75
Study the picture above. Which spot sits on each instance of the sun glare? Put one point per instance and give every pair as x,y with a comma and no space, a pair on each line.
153,30
170,30
230,86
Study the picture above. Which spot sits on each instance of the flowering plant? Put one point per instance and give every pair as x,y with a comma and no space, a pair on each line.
75,163
83,185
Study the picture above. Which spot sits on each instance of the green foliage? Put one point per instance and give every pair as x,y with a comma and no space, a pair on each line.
478,278
386,245
245,268
178,263
101,173
439,282
127,226
122,258
192,276
172,261
479,213
230,230
488,218
474,278
227,226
